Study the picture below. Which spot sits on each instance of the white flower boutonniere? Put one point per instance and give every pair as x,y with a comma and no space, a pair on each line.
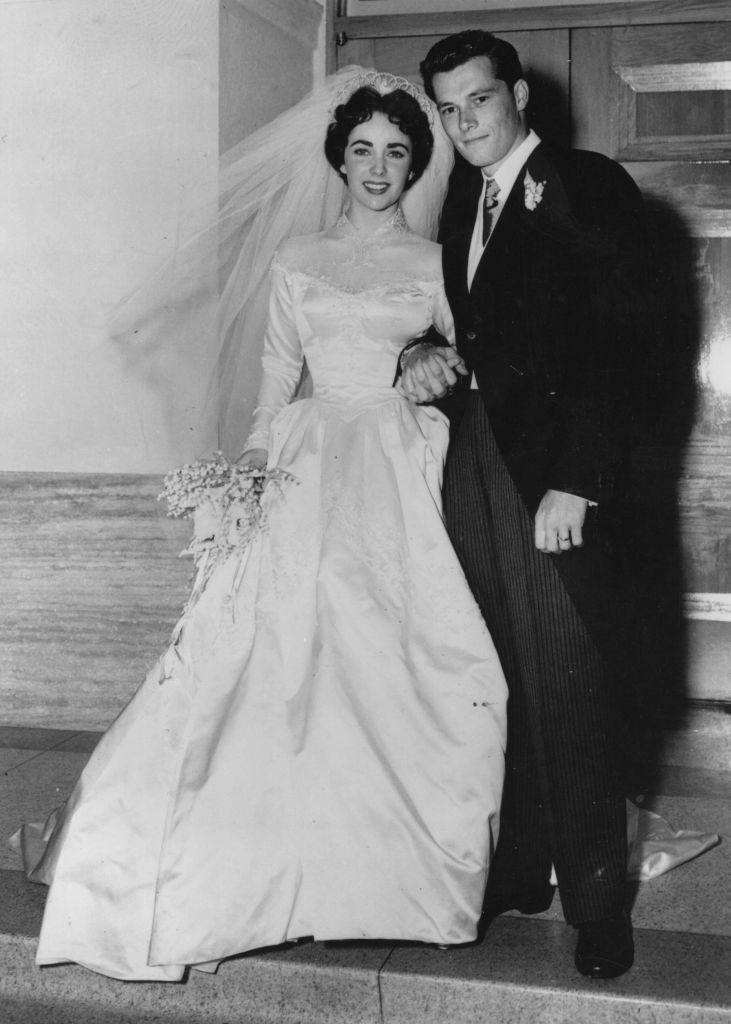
533,191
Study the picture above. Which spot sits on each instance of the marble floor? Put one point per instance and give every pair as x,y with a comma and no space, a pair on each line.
521,972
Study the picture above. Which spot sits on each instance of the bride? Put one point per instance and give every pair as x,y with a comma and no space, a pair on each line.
320,751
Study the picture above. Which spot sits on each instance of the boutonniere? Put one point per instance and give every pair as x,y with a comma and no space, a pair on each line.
533,191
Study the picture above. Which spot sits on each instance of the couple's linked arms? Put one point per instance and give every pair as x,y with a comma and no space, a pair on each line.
429,370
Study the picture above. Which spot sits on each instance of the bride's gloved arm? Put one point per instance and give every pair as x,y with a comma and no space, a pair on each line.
281,362
442,317
430,365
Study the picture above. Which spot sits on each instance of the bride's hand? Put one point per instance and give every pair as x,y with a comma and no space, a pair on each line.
429,372
253,458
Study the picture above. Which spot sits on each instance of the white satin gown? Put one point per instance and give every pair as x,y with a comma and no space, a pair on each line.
321,754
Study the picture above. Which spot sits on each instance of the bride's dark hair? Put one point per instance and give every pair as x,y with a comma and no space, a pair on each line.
399,107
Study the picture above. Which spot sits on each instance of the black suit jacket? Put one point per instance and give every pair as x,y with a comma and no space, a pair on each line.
550,321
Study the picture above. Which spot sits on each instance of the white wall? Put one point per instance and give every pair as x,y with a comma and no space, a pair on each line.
283,41
109,120
109,130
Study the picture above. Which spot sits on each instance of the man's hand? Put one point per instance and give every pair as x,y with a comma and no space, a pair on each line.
559,521
429,371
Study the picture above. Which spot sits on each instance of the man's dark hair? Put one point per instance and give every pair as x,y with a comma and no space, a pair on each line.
399,107
453,51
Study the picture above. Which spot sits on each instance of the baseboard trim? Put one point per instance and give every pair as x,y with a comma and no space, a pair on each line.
707,704
711,607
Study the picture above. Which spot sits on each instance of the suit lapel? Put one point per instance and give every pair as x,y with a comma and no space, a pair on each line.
518,221
455,254
457,225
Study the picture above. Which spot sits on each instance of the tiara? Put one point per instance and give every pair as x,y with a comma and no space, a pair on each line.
384,83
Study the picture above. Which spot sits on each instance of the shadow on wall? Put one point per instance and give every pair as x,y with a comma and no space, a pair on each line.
665,400
548,110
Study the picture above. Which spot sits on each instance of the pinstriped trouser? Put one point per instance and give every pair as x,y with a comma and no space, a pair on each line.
563,801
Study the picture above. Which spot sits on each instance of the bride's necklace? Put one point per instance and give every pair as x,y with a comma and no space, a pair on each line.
361,246
396,223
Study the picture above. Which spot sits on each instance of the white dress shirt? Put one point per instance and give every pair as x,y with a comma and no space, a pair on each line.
505,176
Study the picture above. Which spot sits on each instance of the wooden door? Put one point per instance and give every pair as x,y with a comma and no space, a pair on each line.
658,99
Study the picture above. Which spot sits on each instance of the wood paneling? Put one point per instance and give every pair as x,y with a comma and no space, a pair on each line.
658,99
705,500
640,45
671,86
692,113
594,119
90,590
540,52
506,18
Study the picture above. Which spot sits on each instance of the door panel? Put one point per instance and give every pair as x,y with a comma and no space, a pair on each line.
699,193
671,88
659,100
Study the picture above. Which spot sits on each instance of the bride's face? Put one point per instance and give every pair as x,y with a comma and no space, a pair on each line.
377,162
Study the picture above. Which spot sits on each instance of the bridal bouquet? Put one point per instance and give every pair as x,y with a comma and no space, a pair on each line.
224,501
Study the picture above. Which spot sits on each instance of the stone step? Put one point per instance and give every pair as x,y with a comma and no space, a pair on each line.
521,972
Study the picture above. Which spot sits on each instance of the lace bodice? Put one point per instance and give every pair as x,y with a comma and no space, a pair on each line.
347,307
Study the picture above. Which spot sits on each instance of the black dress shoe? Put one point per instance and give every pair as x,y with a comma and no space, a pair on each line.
605,948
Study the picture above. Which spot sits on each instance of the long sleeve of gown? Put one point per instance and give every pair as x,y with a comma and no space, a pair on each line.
442,317
441,327
281,362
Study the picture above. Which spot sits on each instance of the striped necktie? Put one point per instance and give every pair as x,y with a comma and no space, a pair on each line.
492,191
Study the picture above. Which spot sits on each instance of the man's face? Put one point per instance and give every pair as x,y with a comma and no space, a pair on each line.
480,114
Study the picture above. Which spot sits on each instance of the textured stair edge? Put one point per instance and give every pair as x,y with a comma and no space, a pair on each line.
523,971
308,984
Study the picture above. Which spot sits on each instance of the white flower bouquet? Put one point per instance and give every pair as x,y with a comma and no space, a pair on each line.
224,501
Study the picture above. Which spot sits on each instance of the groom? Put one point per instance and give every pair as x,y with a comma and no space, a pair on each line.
537,258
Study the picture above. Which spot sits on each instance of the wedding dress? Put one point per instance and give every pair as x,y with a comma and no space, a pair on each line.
320,753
